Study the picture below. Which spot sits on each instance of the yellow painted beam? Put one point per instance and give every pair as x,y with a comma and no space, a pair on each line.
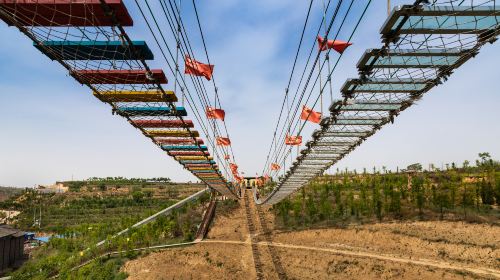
193,158
201,168
136,96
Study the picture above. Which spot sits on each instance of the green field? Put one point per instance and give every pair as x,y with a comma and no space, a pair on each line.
92,211
469,193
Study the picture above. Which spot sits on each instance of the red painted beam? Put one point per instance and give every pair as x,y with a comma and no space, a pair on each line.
119,76
63,13
163,123
165,140
189,153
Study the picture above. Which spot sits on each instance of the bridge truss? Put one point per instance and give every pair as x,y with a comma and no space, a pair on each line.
88,38
423,44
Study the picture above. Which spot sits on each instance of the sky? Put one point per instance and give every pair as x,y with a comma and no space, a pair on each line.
52,128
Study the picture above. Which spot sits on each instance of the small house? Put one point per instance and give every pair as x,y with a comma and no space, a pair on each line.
11,247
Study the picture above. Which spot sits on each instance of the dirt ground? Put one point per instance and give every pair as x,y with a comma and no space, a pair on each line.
409,250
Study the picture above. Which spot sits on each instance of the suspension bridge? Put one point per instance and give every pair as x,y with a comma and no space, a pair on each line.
423,42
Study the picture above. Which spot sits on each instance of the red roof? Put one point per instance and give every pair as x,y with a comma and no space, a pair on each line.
64,13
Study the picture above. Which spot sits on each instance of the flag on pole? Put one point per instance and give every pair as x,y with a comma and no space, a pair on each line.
223,141
275,166
233,167
266,178
213,113
293,140
337,45
197,68
309,115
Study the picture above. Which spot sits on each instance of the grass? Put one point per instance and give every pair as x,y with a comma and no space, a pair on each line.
83,219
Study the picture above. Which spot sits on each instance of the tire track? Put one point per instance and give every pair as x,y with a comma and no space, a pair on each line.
363,254
278,267
253,243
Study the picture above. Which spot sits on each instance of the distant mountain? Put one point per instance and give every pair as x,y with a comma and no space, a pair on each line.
6,192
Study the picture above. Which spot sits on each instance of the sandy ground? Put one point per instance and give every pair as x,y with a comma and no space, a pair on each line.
409,250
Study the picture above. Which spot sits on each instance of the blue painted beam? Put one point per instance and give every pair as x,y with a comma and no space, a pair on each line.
196,161
95,50
183,148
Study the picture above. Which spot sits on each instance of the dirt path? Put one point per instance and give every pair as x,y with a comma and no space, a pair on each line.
423,262
251,240
390,250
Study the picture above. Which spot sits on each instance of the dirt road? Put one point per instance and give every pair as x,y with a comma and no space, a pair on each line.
423,262
409,250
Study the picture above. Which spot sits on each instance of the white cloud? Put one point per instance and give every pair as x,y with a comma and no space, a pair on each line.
52,128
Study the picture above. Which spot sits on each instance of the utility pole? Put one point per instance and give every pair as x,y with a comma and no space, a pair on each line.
40,219
388,7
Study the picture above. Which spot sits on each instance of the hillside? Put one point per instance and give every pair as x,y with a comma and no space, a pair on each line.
94,211
416,224
412,224
7,192
397,249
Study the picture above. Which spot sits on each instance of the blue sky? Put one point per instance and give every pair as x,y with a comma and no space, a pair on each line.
52,128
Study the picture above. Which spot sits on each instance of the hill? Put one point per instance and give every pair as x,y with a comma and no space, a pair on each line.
412,224
7,192
91,211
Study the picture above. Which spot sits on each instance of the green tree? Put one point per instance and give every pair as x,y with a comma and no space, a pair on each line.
484,157
395,206
138,196
148,193
376,200
466,164
102,187
284,209
487,192
418,193
414,167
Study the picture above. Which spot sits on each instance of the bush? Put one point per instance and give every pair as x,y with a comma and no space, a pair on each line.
138,196
352,197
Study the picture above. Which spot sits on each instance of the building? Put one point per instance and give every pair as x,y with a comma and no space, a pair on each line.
11,247
58,187
249,182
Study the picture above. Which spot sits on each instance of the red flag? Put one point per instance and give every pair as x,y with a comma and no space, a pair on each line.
259,182
223,141
233,167
226,157
266,178
213,113
337,45
238,178
293,140
197,68
275,166
309,115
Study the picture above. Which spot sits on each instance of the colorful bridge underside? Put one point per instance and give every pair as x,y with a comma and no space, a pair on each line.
87,37
423,45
